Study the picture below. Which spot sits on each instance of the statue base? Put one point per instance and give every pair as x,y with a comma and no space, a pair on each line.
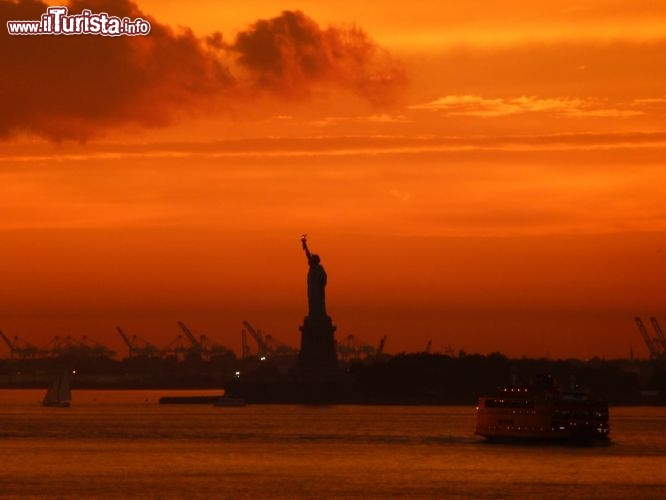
318,358
316,378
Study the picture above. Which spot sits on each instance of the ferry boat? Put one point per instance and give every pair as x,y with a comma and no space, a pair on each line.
542,413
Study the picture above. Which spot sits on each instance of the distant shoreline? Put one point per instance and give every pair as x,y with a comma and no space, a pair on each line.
403,379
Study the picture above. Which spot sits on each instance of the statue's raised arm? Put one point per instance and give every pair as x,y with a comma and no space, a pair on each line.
304,242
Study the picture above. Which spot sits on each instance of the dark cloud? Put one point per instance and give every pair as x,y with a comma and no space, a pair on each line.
74,87
291,52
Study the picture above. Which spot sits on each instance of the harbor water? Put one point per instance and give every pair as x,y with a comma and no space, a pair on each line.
122,444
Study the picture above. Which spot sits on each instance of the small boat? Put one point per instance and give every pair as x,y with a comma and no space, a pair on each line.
225,401
59,394
542,412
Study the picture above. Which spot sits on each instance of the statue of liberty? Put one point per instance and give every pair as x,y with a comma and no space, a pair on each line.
318,358
316,284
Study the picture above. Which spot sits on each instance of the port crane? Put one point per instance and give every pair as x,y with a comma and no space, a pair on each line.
85,347
649,342
380,347
127,341
262,346
177,348
196,347
137,346
59,346
660,334
212,349
266,344
90,347
20,348
10,344
202,347
428,347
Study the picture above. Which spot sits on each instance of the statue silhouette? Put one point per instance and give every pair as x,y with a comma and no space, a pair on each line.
316,284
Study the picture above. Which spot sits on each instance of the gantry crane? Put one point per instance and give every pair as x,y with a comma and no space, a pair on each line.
127,341
380,347
197,347
202,347
89,347
59,346
212,349
85,347
12,349
649,342
20,348
660,334
177,348
137,346
262,346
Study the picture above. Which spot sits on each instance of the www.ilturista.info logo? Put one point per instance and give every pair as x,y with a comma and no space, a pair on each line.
56,22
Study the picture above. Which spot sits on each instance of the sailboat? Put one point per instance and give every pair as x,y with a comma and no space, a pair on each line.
59,394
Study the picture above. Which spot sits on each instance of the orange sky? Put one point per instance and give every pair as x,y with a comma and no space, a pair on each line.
489,175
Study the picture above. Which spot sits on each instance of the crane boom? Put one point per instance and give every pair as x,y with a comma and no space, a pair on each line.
428,347
127,340
12,348
189,335
660,334
258,338
380,347
654,352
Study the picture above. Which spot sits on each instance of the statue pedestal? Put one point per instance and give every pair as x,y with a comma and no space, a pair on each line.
318,357
319,378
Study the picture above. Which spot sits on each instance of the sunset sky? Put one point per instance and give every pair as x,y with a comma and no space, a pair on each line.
486,174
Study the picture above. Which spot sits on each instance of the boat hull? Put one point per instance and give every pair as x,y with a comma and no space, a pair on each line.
56,404
188,400
231,402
